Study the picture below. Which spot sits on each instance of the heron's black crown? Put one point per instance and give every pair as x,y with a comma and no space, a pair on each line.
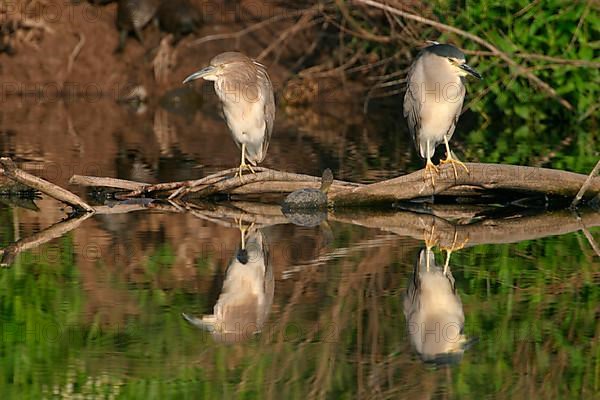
445,50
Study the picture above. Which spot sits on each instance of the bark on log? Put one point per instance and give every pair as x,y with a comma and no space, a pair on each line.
481,179
516,178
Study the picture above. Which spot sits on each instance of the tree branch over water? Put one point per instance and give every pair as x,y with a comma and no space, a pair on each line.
482,179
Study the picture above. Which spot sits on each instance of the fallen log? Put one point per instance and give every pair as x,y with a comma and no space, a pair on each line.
480,180
485,177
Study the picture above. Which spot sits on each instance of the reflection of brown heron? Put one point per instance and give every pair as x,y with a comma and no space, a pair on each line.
246,93
247,294
434,312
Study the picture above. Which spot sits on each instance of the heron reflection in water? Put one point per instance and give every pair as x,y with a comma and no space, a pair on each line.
247,293
434,312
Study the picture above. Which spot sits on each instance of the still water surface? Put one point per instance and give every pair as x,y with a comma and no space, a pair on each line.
340,310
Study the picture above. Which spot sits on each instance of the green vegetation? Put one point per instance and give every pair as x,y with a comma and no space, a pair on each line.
532,305
558,42
513,120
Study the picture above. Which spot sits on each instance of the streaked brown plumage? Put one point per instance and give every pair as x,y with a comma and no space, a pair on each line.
246,93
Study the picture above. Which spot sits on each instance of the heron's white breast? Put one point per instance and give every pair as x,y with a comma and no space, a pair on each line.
243,287
441,93
245,116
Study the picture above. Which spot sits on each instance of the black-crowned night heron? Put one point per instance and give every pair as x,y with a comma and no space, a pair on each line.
247,294
246,94
434,312
434,98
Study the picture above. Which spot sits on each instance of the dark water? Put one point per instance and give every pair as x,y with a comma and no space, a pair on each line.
358,307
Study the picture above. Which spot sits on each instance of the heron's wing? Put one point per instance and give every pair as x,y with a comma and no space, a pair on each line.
458,110
412,105
269,106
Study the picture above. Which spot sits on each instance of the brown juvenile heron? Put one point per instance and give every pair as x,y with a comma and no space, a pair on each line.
434,98
246,94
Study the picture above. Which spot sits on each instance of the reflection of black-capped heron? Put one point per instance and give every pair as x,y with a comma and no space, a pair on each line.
246,94
434,312
247,294
434,98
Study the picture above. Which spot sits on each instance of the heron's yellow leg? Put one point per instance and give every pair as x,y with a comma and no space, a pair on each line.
243,164
431,169
452,248
452,160
430,241
243,229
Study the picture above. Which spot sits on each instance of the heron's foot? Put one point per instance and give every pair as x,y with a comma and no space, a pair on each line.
431,169
452,248
454,161
455,246
429,238
243,229
242,167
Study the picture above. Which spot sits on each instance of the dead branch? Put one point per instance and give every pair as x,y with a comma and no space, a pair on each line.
586,185
229,184
48,188
264,181
55,231
95,181
482,179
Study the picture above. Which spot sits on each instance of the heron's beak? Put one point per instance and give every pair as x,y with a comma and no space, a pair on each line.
470,70
200,74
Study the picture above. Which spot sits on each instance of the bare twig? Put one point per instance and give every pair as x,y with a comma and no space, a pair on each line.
48,188
306,21
540,57
254,27
75,52
586,185
591,241
114,183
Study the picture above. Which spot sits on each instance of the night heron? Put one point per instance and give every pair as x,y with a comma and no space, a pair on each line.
434,98
247,294
246,94
434,312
